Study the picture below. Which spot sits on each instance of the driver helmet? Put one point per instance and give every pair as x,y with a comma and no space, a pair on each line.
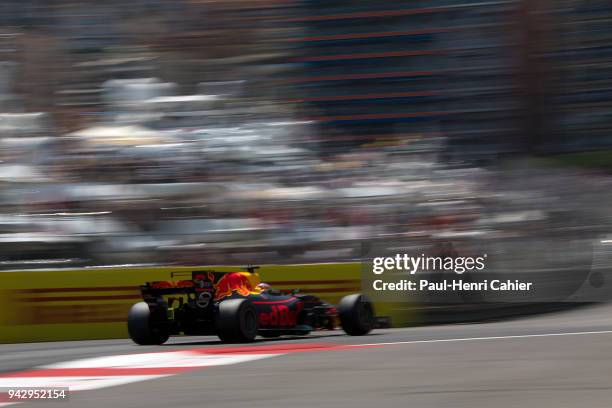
264,286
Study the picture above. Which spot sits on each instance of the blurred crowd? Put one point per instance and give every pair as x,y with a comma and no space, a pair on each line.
238,187
168,141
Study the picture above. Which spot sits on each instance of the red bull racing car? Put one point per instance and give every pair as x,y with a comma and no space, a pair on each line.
237,307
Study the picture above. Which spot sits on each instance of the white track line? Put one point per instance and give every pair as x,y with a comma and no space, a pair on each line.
159,360
519,336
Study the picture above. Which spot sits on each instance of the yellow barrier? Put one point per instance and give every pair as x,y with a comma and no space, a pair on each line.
92,303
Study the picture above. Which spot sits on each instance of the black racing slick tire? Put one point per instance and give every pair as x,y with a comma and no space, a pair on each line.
142,327
356,314
236,321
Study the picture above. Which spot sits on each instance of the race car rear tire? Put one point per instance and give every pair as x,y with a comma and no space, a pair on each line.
356,314
142,327
236,321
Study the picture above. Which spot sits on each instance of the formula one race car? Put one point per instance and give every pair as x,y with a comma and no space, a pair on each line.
236,306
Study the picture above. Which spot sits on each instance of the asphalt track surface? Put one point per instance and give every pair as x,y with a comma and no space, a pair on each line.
554,360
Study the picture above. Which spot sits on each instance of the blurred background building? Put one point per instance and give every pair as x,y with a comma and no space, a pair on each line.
411,70
228,131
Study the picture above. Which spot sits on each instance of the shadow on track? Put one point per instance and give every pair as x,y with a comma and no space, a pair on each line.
264,340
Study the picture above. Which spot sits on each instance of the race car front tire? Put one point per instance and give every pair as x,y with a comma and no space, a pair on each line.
142,327
236,321
356,314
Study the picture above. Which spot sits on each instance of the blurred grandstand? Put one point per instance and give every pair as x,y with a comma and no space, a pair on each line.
296,131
